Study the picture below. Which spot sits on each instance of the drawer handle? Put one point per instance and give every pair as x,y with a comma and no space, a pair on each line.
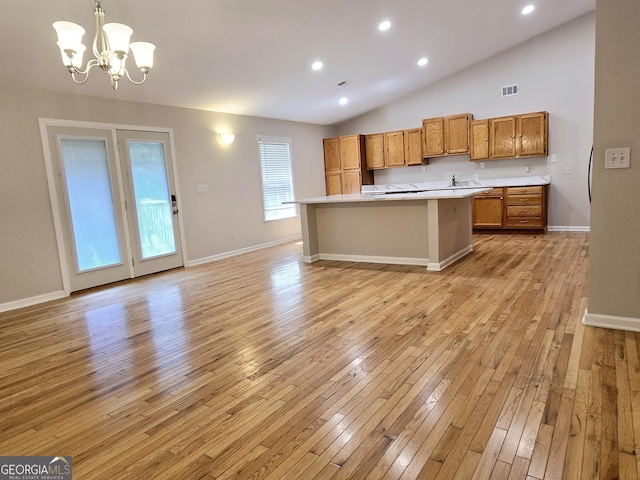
524,221
525,210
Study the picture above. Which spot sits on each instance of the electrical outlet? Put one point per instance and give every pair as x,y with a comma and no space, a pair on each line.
547,169
234,236
528,170
617,158
567,169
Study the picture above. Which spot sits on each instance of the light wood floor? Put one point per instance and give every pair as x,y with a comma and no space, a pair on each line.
261,367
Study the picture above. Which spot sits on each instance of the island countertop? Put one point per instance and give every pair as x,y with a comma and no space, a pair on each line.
420,195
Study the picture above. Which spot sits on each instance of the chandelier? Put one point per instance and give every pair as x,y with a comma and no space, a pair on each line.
110,49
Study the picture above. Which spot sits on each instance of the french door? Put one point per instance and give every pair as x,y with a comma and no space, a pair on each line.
116,204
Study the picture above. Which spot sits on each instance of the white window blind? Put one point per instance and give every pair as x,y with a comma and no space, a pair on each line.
277,177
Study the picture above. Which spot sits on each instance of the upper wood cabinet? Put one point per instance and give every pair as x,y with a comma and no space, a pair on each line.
446,135
332,155
352,152
394,149
413,146
532,134
374,146
386,150
345,164
502,135
433,134
518,136
479,140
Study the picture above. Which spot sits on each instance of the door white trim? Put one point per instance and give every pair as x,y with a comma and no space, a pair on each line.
45,123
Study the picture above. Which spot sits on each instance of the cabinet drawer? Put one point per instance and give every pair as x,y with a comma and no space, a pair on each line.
524,199
494,192
524,211
524,190
524,222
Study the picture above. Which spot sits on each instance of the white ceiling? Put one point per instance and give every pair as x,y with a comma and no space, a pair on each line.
253,57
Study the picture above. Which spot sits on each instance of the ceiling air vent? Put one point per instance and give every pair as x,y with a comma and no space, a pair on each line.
510,90
344,83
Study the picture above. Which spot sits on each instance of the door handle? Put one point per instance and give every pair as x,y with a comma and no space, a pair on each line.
174,205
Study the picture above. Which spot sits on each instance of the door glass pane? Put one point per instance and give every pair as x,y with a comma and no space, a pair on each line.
93,219
153,205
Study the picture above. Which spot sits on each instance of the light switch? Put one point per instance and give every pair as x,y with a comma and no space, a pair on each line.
617,158
203,187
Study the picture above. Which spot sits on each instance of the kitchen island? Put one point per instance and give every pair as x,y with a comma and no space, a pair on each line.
429,228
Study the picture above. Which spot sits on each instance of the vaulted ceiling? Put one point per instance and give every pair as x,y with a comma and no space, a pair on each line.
253,57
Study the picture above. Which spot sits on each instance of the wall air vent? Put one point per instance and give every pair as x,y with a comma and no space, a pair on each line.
510,90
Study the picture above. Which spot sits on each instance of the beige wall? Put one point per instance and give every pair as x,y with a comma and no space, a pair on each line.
29,258
614,268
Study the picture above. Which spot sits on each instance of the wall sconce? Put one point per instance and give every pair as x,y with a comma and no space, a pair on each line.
227,138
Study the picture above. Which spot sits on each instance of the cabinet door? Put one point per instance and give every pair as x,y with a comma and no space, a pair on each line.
331,154
456,134
479,148
532,134
333,182
413,146
350,152
351,181
394,149
502,137
433,132
488,210
374,146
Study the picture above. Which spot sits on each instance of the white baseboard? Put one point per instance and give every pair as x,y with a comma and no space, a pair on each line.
27,302
374,259
611,321
437,267
559,228
240,251
310,259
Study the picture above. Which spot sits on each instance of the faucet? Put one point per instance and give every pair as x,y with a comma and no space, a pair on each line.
453,180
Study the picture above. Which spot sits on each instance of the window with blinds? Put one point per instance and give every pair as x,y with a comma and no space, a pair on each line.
277,177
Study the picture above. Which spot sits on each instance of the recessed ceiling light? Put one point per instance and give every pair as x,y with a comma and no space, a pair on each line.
423,61
344,101
528,9
317,65
386,25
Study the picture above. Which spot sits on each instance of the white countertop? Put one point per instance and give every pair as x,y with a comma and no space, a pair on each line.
460,184
436,194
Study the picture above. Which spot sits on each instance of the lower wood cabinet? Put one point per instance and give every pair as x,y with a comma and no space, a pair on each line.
526,207
488,209
511,208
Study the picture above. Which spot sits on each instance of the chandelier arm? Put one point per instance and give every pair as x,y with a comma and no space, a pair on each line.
144,77
76,71
90,64
79,82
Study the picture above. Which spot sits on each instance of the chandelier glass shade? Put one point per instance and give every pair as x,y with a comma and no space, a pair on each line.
110,49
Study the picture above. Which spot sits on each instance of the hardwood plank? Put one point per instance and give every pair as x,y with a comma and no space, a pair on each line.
259,366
